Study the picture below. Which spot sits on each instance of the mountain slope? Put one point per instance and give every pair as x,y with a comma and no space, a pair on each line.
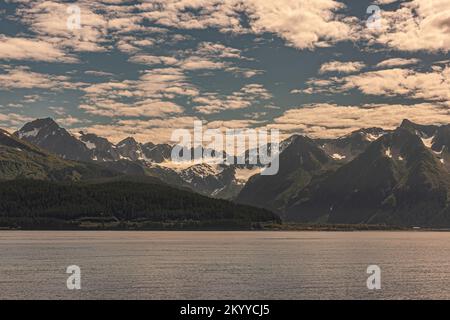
60,205
46,134
397,180
19,159
348,147
100,148
301,160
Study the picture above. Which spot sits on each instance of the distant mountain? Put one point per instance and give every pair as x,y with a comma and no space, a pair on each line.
348,147
218,181
46,134
157,153
301,161
132,157
423,131
41,190
20,159
371,175
100,148
436,138
397,180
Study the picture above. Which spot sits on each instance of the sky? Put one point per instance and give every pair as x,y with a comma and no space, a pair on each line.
322,68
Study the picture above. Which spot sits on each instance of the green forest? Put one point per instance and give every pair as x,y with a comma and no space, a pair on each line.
125,204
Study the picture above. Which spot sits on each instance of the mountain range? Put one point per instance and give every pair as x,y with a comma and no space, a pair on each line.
44,189
372,175
131,157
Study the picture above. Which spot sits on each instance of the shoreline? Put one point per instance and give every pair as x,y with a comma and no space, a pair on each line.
294,227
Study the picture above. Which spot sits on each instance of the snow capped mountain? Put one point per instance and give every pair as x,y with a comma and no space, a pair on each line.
396,180
132,157
157,152
381,174
346,148
46,133
435,138
101,148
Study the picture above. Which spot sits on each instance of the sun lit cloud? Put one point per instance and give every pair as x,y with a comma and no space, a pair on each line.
416,25
31,49
332,120
397,62
248,95
341,67
24,78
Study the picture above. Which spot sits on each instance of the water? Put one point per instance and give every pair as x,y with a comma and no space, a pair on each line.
224,265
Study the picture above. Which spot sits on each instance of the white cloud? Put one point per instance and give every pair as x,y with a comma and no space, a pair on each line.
48,19
341,67
31,49
331,120
397,62
302,23
24,78
154,60
432,86
248,95
13,121
153,130
417,25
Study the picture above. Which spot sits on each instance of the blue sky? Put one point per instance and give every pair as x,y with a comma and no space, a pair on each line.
144,68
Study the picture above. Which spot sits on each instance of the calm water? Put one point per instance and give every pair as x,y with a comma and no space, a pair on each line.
224,265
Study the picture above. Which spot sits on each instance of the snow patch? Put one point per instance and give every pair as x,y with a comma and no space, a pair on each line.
439,152
388,153
337,156
428,142
32,133
90,145
372,137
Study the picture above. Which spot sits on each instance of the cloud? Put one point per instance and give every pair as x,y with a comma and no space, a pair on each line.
432,86
13,121
244,72
218,50
303,23
31,49
49,20
160,130
429,85
145,108
397,62
332,120
148,96
151,60
197,63
153,130
99,73
23,78
341,67
248,95
69,121
415,26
